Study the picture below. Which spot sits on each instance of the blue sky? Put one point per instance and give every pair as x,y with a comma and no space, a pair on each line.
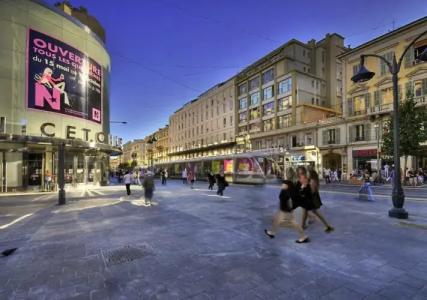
167,52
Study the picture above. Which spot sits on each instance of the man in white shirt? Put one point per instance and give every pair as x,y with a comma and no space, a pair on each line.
128,180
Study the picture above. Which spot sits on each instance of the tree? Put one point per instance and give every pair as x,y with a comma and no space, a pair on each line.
133,164
124,165
413,129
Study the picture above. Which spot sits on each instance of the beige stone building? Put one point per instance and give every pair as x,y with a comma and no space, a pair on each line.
135,151
368,104
204,126
161,146
280,97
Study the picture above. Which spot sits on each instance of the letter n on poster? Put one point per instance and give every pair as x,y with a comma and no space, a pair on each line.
62,79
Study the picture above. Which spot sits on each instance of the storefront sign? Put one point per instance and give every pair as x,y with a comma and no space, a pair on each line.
62,79
48,129
365,153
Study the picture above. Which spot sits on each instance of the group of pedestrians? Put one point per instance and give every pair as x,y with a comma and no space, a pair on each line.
332,175
147,184
304,193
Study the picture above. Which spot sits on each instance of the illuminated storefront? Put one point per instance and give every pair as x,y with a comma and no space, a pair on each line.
54,80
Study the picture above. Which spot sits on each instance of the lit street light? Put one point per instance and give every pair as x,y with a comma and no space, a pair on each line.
364,75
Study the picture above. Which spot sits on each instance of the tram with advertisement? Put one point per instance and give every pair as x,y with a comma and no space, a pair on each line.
255,167
238,168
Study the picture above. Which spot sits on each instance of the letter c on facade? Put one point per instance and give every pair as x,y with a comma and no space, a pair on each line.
43,129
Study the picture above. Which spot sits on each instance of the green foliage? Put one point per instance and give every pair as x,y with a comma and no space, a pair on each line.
413,128
124,166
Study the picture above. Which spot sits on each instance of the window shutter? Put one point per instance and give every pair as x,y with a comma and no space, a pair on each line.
409,87
337,135
351,129
367,101
409,57
325,137
350,106
376,98
424,86
367,132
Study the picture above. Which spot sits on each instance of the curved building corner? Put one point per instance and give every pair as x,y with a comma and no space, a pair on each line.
54,82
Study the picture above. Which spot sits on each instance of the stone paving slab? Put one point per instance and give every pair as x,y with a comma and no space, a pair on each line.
207,247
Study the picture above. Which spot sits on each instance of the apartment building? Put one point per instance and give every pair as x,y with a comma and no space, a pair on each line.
369,104
282,96
161,146
134,153
204,126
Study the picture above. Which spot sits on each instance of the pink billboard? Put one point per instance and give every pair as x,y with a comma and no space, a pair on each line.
62,79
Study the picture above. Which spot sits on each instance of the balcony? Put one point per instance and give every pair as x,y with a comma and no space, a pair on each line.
421,100
380,109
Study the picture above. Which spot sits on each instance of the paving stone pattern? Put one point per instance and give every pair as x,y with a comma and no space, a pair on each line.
195,245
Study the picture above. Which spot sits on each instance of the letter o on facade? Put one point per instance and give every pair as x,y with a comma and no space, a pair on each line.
100,137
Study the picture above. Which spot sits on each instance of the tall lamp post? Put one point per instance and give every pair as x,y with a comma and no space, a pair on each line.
398,196
151,141
61,166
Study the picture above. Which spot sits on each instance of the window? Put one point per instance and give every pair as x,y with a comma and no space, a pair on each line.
360,104
383,66
419,48
253,83
268,108
243,117
231,120
224,137
254,127
420,87
268,76
254,113
309,139
285,103
243,89
284,121
254,99
294,141
268,125
242,129
267,93
285,86
331,136
360,132
243,103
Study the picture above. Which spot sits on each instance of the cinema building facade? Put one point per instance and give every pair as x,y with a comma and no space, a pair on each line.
54,74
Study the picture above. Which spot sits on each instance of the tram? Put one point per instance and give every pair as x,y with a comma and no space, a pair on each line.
238,168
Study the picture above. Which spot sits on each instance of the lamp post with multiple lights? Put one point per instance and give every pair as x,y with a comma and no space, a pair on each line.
363,75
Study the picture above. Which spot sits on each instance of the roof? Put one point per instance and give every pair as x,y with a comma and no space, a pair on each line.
384,36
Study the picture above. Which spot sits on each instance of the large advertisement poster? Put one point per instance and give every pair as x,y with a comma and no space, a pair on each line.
62,79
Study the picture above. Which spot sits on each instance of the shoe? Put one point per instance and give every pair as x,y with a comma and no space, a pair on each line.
306,240
329,229
271,236
304,227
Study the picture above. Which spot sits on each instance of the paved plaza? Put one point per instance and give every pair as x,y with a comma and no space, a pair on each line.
192,244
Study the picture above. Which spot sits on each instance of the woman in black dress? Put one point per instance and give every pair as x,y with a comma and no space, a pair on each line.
308,196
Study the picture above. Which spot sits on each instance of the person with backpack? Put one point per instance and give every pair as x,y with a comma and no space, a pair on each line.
221,183
284,217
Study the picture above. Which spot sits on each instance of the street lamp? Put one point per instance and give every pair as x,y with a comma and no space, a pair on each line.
119,122
61,167
363,75
151,141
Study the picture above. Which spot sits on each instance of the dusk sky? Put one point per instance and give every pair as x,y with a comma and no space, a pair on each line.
167,52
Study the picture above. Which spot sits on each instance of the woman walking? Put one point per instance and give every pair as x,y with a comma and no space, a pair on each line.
285,216
307,192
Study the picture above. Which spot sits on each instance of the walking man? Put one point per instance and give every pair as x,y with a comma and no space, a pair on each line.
184,176
128,180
